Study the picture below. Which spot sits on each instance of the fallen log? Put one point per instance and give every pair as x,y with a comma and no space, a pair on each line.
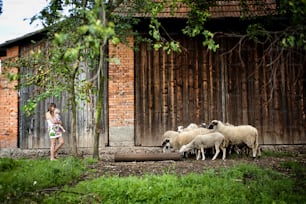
130,157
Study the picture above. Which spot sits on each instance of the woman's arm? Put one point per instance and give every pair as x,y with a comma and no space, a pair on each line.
52,119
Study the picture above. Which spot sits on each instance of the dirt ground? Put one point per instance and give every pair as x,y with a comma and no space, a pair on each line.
189,165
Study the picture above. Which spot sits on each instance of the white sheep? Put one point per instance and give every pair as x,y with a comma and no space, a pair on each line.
191,126
246,134
210,140
183,138
167,135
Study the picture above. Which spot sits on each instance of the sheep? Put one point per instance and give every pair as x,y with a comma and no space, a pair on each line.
167,135
246,134
210,140
191,126
203,125
183,138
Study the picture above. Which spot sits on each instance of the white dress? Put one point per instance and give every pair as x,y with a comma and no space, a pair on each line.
54,130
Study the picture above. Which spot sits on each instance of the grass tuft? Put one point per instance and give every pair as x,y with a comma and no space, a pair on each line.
243,183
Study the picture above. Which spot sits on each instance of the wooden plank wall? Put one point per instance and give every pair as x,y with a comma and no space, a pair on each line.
198,86
33,129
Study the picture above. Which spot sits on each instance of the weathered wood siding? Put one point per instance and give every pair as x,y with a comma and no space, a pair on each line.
33,129
266,90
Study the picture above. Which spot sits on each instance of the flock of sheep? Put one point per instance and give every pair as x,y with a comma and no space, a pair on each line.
217,135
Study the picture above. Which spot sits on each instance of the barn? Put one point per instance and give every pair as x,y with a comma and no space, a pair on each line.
151,91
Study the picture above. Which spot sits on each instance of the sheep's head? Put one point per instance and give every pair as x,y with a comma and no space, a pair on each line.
213,123
180,128
203,125
166,145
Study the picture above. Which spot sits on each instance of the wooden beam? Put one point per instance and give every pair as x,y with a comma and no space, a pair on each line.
130,157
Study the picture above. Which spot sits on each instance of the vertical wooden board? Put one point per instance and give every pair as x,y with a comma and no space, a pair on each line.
299,122
293,97
222,87
191,86
211,87
216,89
230,87
301,139
156,97
164,86
283,101
237,105
197,96
270,134
138,85
302,102
137,95
276,102
172,96
258,102
244,102
150,84
249,82
146,95
199,91
205,89
178,88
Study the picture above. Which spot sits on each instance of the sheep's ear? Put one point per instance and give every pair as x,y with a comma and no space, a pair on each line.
211,125
215,122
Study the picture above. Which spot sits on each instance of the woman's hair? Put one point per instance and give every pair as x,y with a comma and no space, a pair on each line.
50,106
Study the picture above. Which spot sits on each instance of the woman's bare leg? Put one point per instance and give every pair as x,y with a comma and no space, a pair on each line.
52,148
61,142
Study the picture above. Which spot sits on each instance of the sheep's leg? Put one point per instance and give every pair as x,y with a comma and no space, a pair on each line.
198,154
223,153
254,152
217,148
258,152
203,155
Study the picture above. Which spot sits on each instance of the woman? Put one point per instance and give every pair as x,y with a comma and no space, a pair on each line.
54,131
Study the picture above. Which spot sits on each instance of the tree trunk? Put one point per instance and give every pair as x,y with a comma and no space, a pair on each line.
99,107
101,78
73,121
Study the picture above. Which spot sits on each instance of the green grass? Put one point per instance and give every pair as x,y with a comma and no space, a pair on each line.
23,178
243,183
45,181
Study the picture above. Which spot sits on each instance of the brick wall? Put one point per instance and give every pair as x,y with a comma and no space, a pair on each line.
121,94
8,107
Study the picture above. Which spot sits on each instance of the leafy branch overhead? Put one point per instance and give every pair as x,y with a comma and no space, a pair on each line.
77,32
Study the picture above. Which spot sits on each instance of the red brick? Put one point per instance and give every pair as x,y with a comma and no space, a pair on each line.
9,106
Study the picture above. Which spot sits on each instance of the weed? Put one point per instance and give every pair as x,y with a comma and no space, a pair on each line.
276,154
7,164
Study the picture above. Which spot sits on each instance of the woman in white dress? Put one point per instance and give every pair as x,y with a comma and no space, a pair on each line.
54,131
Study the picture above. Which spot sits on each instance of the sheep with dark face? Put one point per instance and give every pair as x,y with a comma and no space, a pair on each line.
246,134
167,136
210,140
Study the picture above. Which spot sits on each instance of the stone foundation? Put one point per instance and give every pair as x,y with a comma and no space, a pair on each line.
107,153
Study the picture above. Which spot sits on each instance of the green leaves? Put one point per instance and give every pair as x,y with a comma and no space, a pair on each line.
257,32
289,41
209,41
60,38
196,24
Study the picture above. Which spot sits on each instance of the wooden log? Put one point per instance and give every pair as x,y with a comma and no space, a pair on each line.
119,157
